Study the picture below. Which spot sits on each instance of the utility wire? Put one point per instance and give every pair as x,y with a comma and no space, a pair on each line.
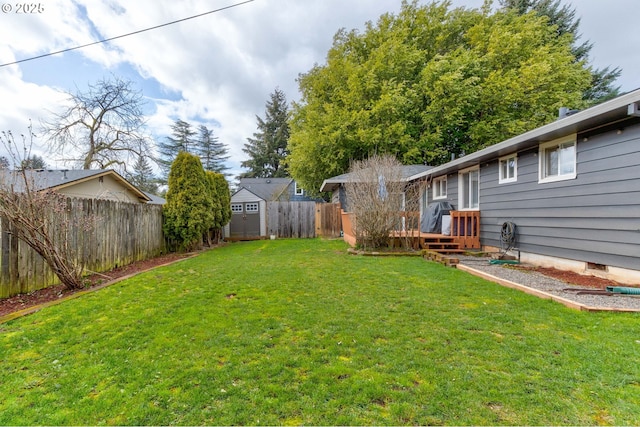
126,35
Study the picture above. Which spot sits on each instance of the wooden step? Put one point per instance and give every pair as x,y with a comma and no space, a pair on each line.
444,259
441,244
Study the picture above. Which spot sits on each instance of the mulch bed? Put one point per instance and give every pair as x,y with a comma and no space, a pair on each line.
572,278
52,293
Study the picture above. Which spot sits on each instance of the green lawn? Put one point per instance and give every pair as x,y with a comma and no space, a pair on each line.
299,332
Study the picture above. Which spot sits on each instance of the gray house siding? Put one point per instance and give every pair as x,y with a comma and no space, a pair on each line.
452,192
594,218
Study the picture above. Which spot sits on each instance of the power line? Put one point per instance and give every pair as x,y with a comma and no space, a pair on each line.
126,35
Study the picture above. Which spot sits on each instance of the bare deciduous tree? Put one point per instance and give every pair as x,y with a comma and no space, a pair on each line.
40,218
383,204
104,125
375,192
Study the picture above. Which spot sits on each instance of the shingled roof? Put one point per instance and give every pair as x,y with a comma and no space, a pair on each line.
265,188
42,179
408,172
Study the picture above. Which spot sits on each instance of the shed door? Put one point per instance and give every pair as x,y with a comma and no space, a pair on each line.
245,220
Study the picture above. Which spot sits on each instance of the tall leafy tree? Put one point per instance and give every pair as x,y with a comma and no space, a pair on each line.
182,139
563,17
212,152
102,127
268,148
428,82
189,209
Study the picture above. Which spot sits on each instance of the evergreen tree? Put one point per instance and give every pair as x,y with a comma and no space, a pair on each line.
603,80
189,209
33,162
267,149
224,195
182,139
221,199
212,152
143,176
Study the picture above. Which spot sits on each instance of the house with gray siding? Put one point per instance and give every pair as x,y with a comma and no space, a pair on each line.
572,188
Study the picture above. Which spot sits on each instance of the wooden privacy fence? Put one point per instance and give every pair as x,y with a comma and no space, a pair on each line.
291,219
121,233
328,220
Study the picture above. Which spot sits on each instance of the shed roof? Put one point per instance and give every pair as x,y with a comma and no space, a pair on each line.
620,112
408,173
265,188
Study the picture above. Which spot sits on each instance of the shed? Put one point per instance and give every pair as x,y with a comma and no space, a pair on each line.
249,205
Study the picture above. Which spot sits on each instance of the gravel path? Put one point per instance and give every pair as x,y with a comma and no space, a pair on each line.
538,282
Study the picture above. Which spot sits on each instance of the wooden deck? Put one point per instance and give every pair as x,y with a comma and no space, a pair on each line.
465,234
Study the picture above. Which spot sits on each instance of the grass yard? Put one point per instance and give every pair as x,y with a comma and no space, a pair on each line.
298,332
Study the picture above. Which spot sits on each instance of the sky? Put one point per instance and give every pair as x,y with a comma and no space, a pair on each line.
219,69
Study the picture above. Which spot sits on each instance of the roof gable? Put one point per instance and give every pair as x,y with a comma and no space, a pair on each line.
265,188
43,179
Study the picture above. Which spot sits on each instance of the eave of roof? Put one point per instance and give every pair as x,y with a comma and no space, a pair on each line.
607,113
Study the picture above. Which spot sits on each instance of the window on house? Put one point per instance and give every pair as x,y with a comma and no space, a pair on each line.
299,190
252,207
440,188
469,188
508,169
558,160
236,208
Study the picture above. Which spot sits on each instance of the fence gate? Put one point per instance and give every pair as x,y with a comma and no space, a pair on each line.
328,220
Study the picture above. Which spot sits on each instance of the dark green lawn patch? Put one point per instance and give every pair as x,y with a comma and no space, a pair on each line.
300,332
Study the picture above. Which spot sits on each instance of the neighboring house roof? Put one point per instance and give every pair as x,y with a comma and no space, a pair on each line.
409,172
265,188
616,112
155,200
42,179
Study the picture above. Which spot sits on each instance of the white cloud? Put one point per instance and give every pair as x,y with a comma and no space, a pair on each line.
224,65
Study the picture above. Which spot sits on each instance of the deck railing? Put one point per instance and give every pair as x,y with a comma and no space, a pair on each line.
465,227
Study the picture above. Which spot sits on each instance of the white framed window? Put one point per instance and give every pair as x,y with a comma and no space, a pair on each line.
469,189
557,160
299,190
237,208
508,169
439,186
252,207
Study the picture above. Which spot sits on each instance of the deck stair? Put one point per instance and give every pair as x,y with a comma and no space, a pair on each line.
441,244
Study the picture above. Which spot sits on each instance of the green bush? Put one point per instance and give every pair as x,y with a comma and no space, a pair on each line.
189,211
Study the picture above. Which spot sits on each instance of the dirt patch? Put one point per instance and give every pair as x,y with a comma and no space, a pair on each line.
52,293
